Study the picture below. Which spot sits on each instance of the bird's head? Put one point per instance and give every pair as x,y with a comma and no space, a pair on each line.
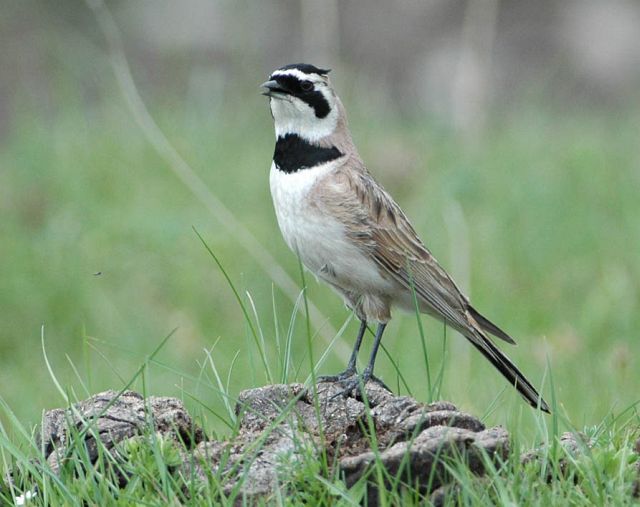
302,101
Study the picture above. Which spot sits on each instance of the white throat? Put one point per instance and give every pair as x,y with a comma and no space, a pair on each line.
293,116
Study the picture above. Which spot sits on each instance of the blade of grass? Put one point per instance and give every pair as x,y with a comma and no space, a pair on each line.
423,342
243,308
263,346
225,397
290,331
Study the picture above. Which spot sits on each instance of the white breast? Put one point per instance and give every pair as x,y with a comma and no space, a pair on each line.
300,223
317,238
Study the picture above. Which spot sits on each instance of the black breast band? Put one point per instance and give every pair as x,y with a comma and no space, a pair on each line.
294,153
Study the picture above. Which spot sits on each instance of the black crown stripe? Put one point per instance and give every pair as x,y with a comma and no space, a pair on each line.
307,68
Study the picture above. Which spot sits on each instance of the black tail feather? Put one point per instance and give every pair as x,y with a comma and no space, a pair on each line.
504,365
489,326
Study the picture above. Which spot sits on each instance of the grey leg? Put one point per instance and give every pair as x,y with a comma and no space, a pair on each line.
351,366
368,371
356,348
355,381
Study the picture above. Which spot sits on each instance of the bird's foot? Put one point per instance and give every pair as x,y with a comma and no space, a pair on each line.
380,383
340,377
348,385
353,382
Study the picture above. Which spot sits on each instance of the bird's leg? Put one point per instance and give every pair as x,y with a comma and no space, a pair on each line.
351,366
367,374
361,380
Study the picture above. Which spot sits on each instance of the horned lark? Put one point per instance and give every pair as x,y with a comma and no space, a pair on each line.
350,232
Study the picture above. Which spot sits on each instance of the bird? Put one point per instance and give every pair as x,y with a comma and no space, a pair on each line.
351,234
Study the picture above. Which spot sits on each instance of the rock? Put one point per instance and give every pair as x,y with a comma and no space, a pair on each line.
280,426
284,421
573,444
424,459
113,419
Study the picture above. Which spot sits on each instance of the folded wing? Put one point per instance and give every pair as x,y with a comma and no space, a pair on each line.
373,219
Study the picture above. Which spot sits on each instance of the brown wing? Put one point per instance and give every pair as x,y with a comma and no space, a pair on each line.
374,219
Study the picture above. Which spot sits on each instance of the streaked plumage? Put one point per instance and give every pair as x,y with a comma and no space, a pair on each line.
350,232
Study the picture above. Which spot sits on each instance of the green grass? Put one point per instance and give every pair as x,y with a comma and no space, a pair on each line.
602,473
546,219
538,222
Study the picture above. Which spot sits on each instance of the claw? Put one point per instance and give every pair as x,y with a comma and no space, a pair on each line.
380,383
351,383
339,378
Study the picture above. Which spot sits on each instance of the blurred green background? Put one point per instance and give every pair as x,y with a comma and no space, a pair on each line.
508,133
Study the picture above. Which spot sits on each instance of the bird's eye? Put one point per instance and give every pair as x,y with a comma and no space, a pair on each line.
306,86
